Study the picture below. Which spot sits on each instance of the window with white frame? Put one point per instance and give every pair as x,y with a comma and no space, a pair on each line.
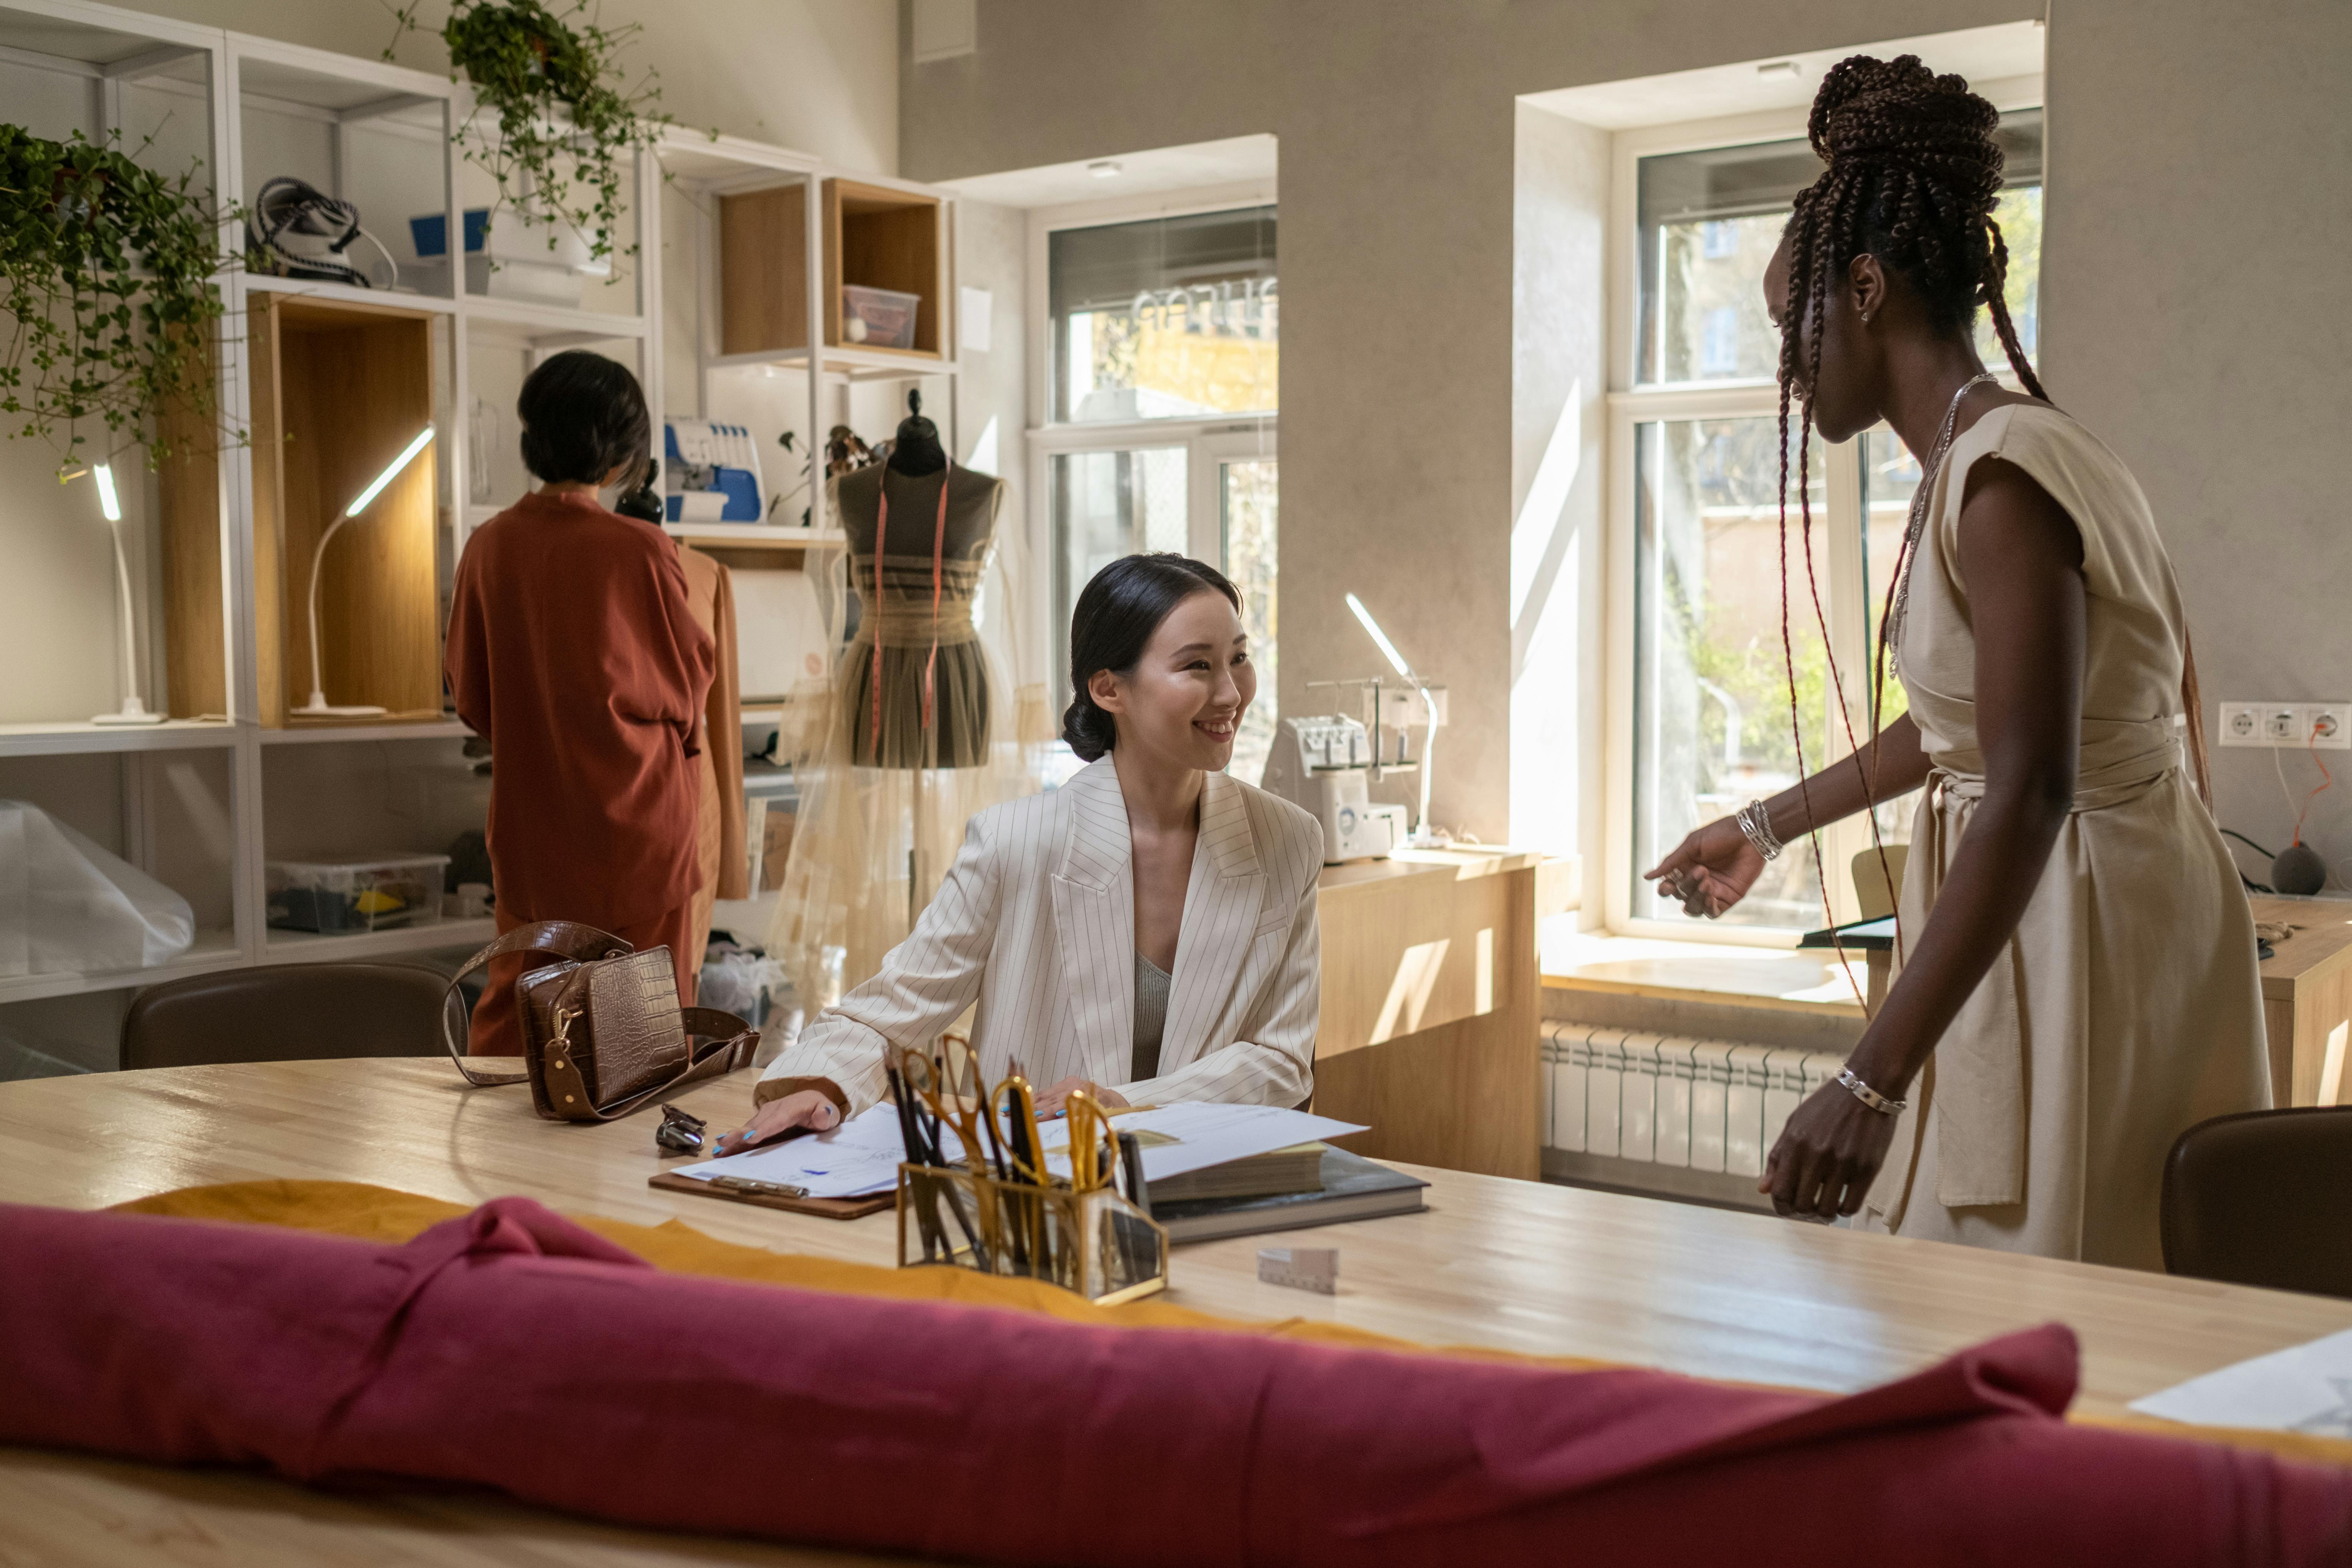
1163,343
1701,656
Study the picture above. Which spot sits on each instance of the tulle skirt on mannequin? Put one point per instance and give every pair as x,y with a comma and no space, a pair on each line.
917,730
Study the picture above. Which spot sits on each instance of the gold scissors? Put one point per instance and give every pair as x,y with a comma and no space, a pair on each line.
1013,1100
1089,1126
950,1086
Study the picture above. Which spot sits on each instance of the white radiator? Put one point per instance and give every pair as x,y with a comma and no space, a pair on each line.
1705,1105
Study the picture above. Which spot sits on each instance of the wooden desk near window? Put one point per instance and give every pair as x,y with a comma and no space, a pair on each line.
1429,1029
2307,999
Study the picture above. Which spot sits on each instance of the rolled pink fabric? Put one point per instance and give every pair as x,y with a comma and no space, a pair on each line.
513,1349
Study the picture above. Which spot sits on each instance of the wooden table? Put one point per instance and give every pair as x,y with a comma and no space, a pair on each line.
2308,998
1506,1264
1430,1024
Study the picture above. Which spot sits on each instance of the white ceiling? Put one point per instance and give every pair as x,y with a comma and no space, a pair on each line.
1979,54
1230,161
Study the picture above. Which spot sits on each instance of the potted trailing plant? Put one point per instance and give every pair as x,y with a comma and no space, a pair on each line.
106,271
566,115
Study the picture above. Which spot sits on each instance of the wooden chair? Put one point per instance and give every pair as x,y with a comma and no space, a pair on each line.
1873,895
2263,1197
285,1013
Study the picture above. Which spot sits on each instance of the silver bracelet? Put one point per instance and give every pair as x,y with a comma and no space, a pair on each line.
1756,823
1862,1091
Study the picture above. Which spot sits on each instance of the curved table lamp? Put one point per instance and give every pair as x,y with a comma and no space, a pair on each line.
1424,836
134,710
318,707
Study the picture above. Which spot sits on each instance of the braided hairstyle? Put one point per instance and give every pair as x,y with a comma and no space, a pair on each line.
1913,174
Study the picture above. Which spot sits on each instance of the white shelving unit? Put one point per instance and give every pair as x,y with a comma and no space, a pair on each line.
213,950
347,734
696,169
226,79
66,739
319,947
756,536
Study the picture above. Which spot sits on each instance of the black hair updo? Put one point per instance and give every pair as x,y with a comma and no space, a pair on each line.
583,416
1118,612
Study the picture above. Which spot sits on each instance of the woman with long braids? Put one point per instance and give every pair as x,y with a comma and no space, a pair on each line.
2076,970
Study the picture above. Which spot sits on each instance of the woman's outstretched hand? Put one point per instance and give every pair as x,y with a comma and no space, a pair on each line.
808,1108
1710,871
1055,1099
1829,1154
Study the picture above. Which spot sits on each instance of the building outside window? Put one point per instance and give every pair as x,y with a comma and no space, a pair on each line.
1163,343
1702,661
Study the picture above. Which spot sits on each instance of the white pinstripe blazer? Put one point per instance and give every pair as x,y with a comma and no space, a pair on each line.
1035,921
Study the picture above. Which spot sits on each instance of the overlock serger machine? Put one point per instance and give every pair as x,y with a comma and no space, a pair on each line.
1325,764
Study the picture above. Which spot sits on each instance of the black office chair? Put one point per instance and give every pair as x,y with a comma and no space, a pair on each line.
2264,1198
285,1013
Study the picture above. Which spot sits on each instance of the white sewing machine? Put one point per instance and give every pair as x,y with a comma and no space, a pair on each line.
1322,763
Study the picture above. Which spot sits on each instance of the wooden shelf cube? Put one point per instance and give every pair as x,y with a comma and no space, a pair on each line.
338,391
763,271
874,238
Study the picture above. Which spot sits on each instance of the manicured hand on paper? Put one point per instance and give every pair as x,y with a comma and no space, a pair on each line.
1054,1101
809,1109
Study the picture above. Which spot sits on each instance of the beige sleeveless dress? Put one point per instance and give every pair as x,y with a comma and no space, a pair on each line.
2128,1006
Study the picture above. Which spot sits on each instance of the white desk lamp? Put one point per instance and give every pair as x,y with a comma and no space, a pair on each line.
133,711
318,707
1424,836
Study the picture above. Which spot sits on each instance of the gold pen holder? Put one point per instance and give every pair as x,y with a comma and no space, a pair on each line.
1094,1242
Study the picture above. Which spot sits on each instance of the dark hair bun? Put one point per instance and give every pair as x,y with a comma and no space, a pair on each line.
1086,729
1914,178
583,416
1899,111
1117,611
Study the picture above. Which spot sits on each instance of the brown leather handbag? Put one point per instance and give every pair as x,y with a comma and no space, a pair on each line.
602,1032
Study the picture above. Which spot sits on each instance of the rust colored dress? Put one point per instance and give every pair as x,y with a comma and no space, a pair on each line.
719,847
574,651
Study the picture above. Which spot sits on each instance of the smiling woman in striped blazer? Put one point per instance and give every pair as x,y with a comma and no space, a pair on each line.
1147,931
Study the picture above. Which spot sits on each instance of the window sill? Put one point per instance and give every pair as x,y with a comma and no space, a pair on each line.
1773,978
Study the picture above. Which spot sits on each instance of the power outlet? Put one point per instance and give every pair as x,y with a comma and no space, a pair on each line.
2325,725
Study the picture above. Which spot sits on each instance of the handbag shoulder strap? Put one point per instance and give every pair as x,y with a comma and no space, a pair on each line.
563,938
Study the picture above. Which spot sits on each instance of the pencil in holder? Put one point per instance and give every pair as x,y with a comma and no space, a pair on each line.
1094,1242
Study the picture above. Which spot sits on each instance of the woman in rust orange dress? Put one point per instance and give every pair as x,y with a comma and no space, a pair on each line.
574,651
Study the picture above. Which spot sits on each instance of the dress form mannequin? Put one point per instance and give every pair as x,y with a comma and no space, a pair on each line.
934,711
919,728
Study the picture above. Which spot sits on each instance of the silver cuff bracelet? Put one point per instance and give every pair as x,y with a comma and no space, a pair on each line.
1862,1091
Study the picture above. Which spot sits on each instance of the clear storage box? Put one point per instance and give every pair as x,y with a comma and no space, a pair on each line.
877,318
383,892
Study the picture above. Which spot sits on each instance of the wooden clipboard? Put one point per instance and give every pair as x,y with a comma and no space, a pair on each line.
822,1208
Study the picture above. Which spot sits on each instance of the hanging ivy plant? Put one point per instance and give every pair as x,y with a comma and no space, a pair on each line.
567,118
107,274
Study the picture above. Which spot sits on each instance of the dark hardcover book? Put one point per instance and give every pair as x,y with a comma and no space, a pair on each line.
1353,1188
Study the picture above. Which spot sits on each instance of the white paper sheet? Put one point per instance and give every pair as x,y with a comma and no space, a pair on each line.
2307,1388
974,307
1203,1135
863,1156
851,1161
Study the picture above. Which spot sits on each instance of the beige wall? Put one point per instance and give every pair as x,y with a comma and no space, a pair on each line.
2196,264
1559,411
2195,261
821,75
1397,137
